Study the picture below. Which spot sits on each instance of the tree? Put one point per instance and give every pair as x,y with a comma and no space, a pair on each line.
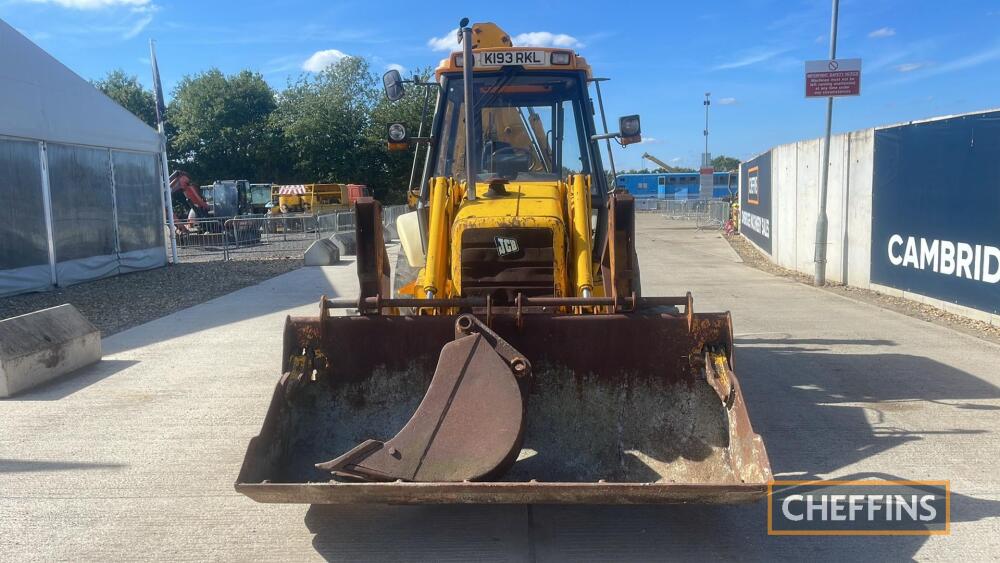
220,127
324,119
334,124
724,163
129,93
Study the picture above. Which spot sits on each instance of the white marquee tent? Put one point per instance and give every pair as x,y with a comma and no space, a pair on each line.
80,182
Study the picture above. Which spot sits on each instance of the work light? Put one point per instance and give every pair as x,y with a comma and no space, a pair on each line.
560,58
629,126
397,132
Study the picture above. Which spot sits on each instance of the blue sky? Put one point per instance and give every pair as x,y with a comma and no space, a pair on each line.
921,58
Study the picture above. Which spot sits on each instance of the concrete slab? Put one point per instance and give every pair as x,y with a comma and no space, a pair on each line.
135,458
43,345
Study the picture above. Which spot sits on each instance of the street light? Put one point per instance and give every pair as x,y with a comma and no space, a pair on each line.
706,159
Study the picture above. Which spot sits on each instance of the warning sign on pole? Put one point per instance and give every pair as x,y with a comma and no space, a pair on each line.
833,78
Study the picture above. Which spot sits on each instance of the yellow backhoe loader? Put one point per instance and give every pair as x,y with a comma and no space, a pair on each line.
514,359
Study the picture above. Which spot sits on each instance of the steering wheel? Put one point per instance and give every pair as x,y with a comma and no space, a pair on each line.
508,161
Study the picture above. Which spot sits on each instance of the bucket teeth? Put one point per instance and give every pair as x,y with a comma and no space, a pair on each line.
469,425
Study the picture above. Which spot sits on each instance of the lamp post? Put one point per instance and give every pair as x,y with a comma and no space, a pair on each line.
822,222
706,159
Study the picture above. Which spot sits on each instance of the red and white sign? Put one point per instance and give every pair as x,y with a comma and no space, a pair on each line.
833,78
296,189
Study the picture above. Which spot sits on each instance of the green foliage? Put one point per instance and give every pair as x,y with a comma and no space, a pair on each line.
220,127
129,93
325,127
724,163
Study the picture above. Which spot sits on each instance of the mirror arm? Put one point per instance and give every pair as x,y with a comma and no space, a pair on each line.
614,135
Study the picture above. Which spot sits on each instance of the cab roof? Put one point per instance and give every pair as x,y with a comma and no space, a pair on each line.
453,63
488,37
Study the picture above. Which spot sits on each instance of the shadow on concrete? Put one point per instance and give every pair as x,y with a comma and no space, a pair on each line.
611,533
806,406
419,533
814,409
29,465
73,382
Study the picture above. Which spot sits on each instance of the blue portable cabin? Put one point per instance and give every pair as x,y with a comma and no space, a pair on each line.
676,185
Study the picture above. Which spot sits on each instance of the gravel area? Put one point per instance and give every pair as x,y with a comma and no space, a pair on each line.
120,302
754,258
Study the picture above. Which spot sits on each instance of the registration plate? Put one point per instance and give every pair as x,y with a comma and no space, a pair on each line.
512,58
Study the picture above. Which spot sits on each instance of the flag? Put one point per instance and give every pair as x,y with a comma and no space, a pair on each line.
161,108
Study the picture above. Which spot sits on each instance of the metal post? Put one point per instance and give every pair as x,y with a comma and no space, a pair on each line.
47,209
470,113
822,221
420,133
164,168
706,161
114,205
604,122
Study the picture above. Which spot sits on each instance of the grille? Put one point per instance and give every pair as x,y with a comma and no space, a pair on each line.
529,269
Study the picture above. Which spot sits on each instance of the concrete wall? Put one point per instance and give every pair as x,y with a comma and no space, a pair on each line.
795,181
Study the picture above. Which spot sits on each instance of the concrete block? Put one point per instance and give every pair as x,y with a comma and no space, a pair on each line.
322,253
44,345
346,243
389,233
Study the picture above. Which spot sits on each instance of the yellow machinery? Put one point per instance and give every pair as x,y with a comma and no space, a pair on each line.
514,359
316,198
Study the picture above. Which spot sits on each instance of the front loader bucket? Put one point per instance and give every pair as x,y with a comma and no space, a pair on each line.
619,408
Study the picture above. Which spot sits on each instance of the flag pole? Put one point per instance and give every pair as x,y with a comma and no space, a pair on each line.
160,111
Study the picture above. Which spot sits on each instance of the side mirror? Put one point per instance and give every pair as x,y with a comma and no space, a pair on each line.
630,129
392,83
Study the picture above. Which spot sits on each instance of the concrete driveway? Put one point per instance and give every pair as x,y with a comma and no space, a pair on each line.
135,458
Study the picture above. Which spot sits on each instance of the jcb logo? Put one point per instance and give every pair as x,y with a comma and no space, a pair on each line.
506,246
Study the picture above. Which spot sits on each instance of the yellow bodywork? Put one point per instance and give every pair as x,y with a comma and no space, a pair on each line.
318,198
560,207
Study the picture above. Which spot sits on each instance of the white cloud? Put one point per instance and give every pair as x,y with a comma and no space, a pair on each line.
970,61
138,26
128,18
322,59
396,66
985,56
95,4
546,39
882,32
447,42
910,67
727,101
648,141
749,59
676,159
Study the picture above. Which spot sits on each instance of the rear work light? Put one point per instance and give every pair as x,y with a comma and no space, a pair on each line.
560,58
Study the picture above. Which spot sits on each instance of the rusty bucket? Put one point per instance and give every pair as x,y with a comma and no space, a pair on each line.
624,408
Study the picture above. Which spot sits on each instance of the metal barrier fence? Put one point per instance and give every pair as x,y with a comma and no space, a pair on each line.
707,213
248,236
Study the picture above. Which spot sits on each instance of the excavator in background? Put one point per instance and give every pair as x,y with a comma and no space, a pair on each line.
659,163
186,195
517,359
207,208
